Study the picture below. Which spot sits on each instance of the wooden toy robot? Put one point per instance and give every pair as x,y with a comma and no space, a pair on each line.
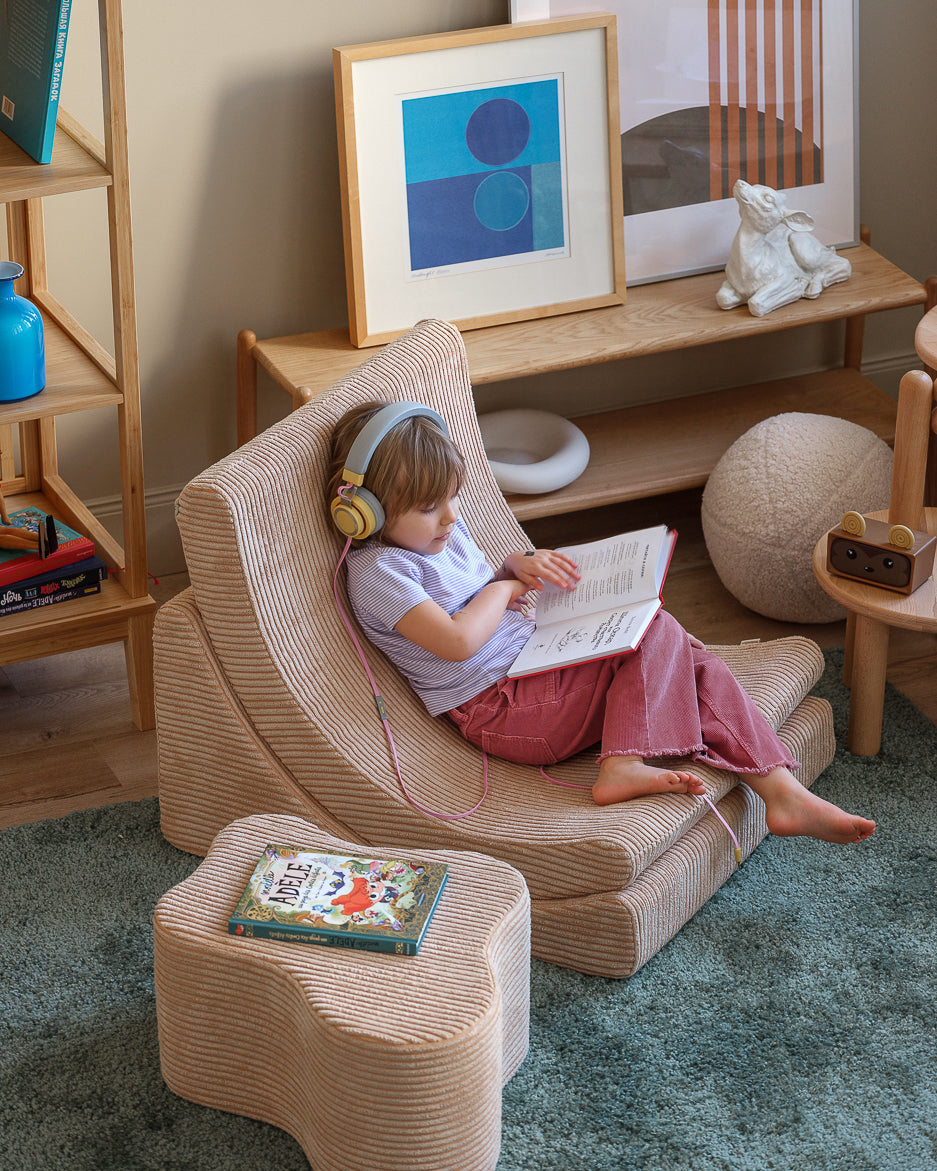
888,555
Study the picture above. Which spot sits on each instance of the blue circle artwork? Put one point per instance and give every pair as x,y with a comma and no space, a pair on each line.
497,131
501,201
484,174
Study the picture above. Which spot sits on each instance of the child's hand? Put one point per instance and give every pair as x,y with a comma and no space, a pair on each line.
533,569
520,601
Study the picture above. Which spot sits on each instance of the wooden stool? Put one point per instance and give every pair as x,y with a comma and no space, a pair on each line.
295,1034
872,610
925,336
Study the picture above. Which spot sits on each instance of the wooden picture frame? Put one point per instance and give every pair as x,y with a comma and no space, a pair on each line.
480,180
688,88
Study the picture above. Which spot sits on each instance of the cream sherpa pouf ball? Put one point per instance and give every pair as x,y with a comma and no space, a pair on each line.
771,497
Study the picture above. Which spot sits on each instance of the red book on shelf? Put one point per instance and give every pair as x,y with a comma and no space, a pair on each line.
17,564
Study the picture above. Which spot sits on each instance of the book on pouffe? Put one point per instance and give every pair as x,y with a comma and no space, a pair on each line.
339,900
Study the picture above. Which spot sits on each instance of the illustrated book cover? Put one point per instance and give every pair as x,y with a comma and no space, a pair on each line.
298,894
56,585
33,34
15,564
613,604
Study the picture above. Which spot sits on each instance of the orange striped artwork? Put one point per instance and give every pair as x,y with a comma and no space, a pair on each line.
713,91
765,99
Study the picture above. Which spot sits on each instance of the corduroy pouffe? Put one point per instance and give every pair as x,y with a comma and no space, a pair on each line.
367,1059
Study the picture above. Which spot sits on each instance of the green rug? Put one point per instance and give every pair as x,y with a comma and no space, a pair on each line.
790,1024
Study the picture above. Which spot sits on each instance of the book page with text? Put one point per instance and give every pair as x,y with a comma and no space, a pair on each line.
593,636
615,572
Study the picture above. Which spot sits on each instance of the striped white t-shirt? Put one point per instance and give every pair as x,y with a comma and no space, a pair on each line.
385,583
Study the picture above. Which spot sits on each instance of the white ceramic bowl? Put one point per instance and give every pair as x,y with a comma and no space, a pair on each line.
533,451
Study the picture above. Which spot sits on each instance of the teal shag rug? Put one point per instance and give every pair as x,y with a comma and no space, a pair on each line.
791,1024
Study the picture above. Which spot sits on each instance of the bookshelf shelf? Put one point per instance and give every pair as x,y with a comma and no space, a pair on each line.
72,168
667,449
73,382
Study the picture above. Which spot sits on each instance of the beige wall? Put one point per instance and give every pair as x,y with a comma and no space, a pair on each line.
237,219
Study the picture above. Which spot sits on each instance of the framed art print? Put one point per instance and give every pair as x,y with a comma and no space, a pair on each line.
480,175
712,91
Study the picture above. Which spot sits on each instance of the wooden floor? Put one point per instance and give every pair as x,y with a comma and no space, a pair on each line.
67,741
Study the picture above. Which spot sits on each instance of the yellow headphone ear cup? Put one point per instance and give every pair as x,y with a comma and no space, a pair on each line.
346,518
357,515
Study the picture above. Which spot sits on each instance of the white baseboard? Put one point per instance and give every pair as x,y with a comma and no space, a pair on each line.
887,372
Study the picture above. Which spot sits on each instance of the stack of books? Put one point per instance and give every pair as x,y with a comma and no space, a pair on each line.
70,570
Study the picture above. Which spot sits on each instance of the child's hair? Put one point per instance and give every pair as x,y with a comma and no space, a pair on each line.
414,466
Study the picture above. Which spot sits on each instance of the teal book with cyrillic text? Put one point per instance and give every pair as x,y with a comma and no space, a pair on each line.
33,34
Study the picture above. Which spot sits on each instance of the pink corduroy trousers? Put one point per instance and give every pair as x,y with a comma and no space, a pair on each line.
669,698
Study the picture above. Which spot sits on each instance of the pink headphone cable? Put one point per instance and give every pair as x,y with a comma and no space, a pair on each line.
738,848
385,720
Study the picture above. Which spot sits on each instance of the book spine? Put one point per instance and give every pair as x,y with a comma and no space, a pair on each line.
79,574
10,607
55,82
16,569
319,938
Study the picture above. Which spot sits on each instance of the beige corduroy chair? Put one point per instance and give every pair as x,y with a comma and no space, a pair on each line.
263,706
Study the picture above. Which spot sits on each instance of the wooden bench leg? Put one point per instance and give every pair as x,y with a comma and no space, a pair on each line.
246,387
869,660
138,652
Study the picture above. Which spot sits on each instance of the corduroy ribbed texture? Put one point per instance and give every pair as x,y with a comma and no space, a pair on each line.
262,704
367,1059
627,928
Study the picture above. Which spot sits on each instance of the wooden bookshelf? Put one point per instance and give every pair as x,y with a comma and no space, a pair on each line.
81,375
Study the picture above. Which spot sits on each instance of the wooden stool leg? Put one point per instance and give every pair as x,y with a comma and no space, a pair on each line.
870,657
849,645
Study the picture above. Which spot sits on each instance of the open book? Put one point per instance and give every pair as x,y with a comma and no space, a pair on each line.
611,607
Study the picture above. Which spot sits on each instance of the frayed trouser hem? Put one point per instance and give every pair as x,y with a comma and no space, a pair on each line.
699,755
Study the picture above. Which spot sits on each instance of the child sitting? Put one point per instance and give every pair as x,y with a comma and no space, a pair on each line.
425,596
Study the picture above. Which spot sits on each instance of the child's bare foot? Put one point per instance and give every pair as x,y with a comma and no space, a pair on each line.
791,810
624,777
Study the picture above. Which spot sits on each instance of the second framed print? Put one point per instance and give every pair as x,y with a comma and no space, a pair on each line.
480,175
718,90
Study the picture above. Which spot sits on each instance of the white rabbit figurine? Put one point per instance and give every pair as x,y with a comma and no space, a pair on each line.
774,258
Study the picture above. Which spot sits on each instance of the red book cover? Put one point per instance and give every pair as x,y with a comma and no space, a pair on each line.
17,564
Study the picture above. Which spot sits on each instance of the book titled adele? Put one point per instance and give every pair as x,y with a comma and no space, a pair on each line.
339,900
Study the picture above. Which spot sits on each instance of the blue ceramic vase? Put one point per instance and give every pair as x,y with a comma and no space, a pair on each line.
22,346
